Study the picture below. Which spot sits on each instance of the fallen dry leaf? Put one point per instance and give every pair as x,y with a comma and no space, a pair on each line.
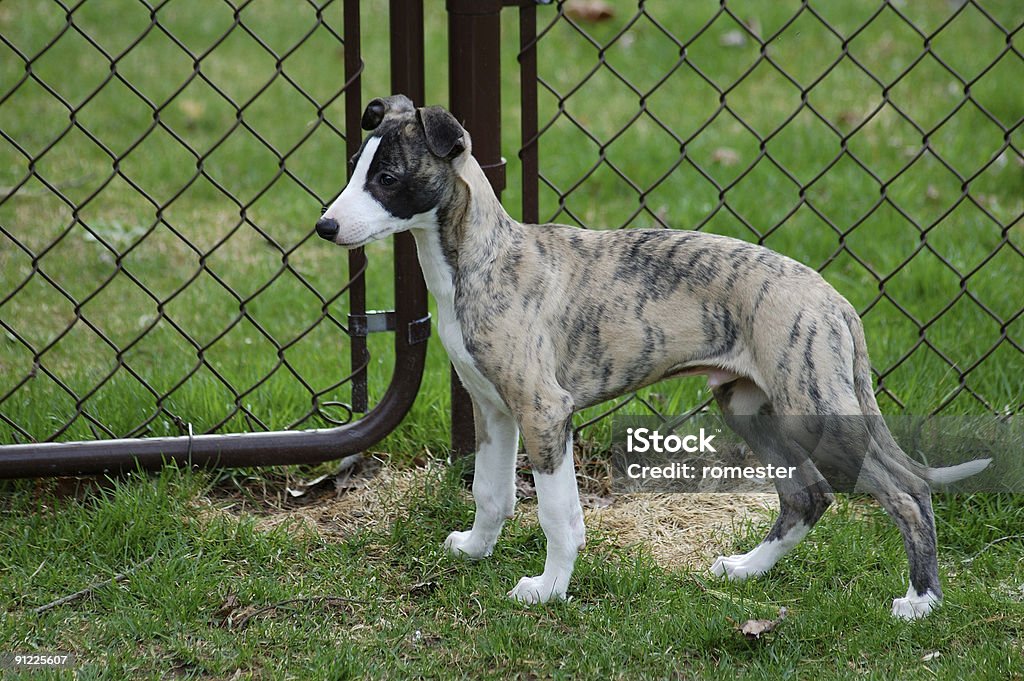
589,10
596,500
734,38
725,156
231,610
353,472
303,486
193,110
754,629
229,605
850,118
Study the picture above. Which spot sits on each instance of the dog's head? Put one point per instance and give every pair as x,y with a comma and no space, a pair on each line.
402,175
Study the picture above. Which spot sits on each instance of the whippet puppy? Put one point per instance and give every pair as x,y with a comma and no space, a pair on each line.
543,320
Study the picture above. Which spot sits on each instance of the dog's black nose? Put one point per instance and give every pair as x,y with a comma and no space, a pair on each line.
327,228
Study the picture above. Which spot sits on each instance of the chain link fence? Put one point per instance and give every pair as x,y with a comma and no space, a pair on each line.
161,162
161,165
880,142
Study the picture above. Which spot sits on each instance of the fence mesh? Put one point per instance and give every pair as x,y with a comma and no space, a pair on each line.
879,142
161,164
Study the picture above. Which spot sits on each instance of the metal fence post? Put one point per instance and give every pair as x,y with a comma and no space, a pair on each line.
529,155
474,75
407,63
358,351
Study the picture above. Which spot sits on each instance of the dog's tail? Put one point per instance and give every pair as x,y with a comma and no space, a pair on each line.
876,424
948,474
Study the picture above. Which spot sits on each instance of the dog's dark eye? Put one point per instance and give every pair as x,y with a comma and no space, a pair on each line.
387,180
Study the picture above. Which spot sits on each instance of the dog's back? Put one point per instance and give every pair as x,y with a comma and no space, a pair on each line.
626,308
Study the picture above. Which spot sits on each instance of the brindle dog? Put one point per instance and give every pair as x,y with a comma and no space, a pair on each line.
543,320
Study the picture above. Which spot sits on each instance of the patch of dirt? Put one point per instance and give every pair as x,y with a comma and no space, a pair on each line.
681,531
362,496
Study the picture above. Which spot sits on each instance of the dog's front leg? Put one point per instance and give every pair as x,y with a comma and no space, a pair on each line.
558,509
494,481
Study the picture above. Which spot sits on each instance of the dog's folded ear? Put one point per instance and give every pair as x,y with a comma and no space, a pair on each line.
381,107
445,137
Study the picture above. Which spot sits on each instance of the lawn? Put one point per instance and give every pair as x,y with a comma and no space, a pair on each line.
225,591
158,189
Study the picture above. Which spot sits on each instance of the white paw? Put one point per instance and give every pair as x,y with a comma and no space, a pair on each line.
463,545
531,590
736,568
914,607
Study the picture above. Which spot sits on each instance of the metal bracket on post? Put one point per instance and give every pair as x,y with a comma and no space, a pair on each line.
381,321
372,321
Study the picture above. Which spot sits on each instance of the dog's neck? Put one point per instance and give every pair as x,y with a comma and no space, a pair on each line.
472,229
485,227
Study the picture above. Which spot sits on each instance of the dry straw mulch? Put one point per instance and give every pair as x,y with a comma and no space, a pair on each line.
681,531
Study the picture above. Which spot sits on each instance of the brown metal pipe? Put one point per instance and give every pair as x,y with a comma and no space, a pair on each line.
529,155
244,449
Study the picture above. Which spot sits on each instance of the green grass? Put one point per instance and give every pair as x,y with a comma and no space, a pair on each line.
408,611
210,274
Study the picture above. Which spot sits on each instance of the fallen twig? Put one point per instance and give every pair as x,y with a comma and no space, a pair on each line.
989,545
120,577
331,600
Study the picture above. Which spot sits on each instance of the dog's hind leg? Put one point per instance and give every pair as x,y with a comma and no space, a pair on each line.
801,504
803,498
547,434
907,499
494,492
